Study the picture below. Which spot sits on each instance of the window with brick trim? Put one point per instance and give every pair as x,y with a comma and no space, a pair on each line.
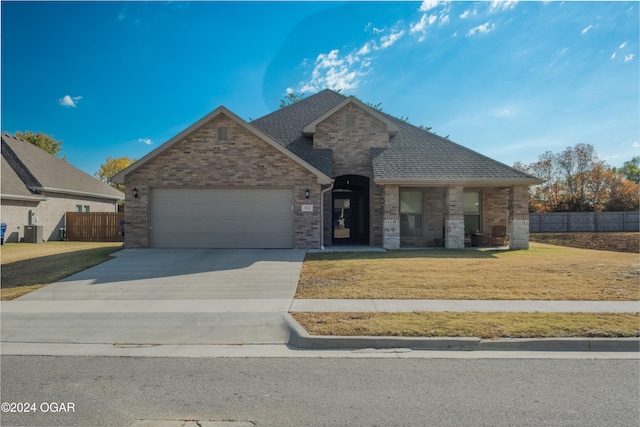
223,133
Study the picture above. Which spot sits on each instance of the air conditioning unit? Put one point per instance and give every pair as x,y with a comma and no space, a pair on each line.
33,234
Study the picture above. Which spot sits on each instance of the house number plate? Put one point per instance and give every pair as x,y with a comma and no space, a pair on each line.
307,208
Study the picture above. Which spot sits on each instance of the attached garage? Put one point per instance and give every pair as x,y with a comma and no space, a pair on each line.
221,218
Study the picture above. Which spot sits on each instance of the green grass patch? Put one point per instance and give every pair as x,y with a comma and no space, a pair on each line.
470,324
27,266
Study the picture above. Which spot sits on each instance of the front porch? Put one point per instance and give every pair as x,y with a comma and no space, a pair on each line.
455,216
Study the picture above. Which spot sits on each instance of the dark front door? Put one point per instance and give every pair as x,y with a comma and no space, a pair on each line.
342,218
351,210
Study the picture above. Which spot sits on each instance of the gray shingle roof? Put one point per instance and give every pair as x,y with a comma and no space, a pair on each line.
39,170
12,186
286,124
415,155
418,155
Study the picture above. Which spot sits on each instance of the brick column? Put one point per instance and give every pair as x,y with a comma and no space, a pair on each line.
391,221
454,218
519,217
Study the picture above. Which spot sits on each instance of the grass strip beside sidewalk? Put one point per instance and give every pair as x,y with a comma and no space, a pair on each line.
469,324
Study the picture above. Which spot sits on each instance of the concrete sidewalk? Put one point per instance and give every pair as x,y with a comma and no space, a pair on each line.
485,306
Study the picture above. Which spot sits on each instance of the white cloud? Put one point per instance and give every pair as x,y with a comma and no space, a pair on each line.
628,58
587,29
482,29
636,144
389,40
364,49
333,71
613,55
465,14
427,5
146,141
623,45
69,101
500,5
420,26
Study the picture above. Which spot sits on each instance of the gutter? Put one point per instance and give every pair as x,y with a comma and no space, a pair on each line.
329,188
76,193
25,198
466,183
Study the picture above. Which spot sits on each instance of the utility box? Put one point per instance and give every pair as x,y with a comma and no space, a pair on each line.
33,234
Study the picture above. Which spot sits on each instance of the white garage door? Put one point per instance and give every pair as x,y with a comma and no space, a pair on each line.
221,218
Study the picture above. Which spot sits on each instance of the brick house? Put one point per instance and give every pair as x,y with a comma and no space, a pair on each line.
38,189
327,170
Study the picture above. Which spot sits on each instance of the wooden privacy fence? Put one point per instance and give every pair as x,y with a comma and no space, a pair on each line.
565,222
94,226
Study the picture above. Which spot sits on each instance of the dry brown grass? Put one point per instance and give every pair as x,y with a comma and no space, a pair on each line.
481,325
544,272
27,266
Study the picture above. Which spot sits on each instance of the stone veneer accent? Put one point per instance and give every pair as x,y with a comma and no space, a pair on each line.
454,217
519,217
242,161
391,222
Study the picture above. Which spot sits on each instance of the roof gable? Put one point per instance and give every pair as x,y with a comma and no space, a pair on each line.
41,171
392,128
322,177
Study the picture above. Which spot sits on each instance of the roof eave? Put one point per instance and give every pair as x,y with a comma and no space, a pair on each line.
464,182
22,198
78,193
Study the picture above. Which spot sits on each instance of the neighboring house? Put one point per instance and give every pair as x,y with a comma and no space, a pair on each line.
37,184
327,170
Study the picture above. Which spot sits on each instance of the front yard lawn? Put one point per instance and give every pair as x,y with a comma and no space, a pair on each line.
29,266
481,325
543,272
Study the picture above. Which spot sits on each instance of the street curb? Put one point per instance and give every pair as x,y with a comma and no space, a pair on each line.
300,338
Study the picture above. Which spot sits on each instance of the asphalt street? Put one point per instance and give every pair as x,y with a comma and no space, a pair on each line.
125,391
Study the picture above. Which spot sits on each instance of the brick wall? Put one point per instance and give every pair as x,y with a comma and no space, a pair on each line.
351,155
243,160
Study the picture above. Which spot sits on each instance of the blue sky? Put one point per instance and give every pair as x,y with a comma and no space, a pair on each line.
508,79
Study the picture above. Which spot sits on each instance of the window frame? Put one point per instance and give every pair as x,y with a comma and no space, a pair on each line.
416,215
477,216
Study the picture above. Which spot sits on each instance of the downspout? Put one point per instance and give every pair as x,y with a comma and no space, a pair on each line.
329,188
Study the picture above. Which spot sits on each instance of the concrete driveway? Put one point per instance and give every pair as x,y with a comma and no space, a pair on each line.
164,296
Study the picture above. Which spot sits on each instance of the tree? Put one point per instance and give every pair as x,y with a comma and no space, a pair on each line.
111,167
43,141
631,169
291,98
576,180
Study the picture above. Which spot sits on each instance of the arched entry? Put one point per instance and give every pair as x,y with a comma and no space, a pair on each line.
350,217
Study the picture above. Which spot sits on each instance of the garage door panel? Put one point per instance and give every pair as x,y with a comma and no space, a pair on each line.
222,218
